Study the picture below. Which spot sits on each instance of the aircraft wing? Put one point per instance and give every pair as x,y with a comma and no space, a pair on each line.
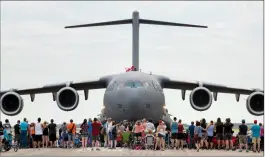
201,97
183,85
86,85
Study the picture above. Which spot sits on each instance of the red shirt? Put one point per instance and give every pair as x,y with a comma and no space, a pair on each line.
95,128
180,128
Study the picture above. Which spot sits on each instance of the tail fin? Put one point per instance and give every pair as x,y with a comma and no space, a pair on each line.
135,21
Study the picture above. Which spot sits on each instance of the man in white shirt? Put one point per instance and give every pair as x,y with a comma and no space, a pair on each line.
150,126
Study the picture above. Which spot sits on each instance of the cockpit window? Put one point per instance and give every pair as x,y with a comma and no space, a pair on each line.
133,84
157,86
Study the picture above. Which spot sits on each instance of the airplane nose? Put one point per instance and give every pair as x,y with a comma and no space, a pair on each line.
133,102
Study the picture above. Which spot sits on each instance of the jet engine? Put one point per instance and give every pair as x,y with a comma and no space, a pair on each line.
11,103
201,99
67,99
255,103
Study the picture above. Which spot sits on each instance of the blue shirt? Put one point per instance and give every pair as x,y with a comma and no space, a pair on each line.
24,126
191,129
198,131
89,127
174,127
255,130
210,131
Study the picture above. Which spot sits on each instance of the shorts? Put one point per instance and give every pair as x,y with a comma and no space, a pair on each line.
160,135
219,136
137,134
174,136
242,139
33,137
95,137
228,137
84,135
17,138
180,136
197,139
255,140
113,137
65,136
52,137
210,139
204,136
38,138
71,137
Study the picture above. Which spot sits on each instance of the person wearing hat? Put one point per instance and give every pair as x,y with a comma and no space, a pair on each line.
242,134
255,136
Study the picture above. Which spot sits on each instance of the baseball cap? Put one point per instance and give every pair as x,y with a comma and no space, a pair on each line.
243,121
255,121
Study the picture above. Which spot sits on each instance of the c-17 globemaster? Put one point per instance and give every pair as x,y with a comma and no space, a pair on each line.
133,95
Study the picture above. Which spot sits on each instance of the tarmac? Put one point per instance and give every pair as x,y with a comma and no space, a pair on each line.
123,152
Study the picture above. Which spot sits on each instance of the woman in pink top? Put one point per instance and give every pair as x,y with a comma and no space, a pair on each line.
138,129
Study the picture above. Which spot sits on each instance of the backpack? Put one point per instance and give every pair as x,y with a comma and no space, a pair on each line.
114,130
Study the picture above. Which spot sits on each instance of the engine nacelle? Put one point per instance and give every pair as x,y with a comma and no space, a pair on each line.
255,103
67,99
11,103
201,99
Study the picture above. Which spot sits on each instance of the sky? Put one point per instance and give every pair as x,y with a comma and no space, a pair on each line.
36,50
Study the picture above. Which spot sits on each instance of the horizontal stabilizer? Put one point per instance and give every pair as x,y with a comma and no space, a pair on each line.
145,21
119,22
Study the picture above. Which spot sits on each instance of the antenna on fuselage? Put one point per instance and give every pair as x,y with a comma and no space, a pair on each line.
135,21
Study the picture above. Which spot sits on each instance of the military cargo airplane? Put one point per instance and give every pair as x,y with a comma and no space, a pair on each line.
133,95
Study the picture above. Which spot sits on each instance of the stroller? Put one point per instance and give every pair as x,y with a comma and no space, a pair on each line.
7,143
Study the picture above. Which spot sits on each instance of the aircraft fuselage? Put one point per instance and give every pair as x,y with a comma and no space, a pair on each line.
133,96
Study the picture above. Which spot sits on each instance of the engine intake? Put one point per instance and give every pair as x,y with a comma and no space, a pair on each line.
67,99
201,99
255,103
11,103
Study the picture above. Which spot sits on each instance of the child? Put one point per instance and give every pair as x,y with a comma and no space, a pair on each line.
119,139
149,139
77,141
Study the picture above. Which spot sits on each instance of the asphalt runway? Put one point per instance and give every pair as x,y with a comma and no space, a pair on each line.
123,152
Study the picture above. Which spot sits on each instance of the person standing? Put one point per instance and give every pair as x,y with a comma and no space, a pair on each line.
191,136
39,133
52,133
32,134
17,132
255,136
180,135
84,133
261,136
228,126
89,140
198,135
24,133
71,128
219,127
64,135
96,125
210,130
243,129
45,135
109,134
1,134
174,133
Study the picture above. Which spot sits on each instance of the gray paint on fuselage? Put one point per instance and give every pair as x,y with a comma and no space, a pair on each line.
126,103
